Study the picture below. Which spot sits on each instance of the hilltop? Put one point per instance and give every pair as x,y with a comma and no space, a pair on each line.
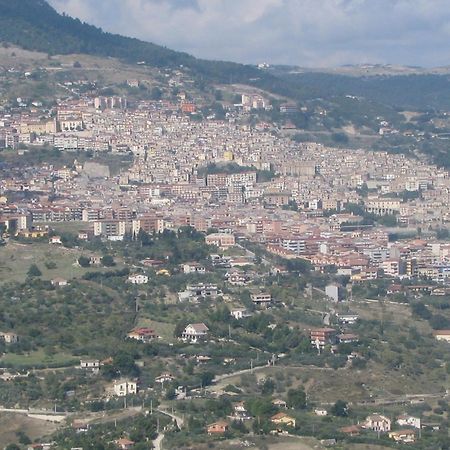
35,25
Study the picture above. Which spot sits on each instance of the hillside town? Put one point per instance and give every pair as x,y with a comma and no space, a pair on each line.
176,275
329,206
242,243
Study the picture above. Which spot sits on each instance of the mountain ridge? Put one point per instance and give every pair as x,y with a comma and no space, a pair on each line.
36,25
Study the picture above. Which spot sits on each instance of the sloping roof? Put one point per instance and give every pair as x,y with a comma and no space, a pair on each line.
441,333
281,415
198,327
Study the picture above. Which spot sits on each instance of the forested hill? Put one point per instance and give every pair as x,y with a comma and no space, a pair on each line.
35,25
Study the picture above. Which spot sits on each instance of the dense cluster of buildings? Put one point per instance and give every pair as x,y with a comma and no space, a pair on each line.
239,180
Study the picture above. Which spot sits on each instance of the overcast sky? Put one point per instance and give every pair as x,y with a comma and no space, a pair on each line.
315,33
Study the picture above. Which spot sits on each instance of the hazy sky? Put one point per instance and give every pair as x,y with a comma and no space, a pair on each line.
299,32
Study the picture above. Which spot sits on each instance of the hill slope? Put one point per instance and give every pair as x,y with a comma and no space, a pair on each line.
35,25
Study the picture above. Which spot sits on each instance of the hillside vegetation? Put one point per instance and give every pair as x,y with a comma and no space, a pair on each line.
35,25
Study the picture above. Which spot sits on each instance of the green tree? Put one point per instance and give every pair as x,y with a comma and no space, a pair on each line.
260,407
340,409
268,387
50,265
84,261
179,328
296,398
23,438
108,261
156,93
12,447
421,310
34,271
206,378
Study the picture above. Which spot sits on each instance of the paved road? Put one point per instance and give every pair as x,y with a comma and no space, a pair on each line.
265,366
40,414
238,372
157,443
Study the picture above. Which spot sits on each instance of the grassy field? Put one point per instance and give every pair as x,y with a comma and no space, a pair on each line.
353,386
163,329
10,424
38,358
16,258
67,227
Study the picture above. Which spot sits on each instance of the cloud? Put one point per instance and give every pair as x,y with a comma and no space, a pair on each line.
297,32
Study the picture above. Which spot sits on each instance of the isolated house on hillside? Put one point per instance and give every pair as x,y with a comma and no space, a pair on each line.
59,282
138,279
405,420
90,365
218,427
123,388
404,436
282,418
377,422
195,332
9,338
142,334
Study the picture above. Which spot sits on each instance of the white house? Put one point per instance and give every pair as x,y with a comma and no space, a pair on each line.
261,299
406,420
55,240
9,338
138,279
194,268
164,378
347,319
125,387
90,364
377,422
239,313
59,282
195,332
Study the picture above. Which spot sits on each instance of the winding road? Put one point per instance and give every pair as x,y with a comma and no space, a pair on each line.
157,443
